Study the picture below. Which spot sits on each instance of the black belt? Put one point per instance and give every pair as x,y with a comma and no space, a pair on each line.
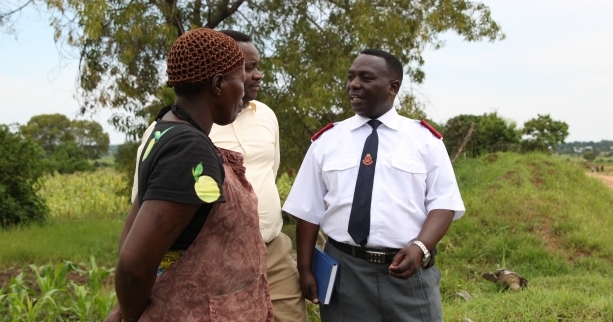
381,256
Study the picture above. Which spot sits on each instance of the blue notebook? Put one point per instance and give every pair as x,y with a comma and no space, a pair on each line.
324,268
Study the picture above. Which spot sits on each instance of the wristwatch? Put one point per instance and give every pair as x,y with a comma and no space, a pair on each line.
426,259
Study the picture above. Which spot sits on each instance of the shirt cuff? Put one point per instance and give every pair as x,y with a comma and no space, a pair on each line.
298,212
448,204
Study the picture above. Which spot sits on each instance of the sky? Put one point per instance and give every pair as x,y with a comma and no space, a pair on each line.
557,59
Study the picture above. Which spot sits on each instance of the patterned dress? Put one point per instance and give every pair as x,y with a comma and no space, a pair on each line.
222,275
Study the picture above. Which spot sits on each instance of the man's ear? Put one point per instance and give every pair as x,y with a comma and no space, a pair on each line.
394,87
217,83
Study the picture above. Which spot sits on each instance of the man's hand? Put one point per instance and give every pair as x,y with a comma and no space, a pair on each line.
308,285
407,262
306,236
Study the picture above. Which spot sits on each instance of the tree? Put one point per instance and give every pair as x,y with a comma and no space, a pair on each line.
90,138
49,130
53,130
307,46
543,133
491,133
21,161
68,158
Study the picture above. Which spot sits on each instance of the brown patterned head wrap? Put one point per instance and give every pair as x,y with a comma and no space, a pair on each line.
200,54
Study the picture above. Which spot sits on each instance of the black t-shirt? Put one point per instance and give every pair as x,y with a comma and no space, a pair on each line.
180,164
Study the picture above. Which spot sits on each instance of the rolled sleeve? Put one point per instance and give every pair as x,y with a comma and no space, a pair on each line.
442,190
306,198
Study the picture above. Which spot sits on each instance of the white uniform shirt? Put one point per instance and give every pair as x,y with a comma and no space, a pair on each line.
413,176
255,134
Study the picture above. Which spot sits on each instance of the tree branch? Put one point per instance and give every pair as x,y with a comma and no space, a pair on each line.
466,138
2,16
171,14
224,13
196,17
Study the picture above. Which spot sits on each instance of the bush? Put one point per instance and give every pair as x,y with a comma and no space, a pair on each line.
21,161
589,155
69,158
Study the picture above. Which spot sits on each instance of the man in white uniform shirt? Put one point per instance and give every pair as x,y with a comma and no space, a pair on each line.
255,134
382,188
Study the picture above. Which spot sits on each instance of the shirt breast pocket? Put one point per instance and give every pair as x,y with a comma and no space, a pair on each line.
408,178
340,175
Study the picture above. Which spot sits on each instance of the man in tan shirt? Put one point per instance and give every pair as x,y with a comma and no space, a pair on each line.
255,134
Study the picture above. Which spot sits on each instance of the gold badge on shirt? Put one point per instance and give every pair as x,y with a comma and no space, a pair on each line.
367,159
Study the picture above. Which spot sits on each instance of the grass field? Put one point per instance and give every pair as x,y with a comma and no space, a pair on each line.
538,215
541,217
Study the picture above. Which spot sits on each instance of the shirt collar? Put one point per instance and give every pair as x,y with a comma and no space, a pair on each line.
251,106
391,119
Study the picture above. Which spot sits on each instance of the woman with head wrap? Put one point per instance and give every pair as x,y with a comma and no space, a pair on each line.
191,249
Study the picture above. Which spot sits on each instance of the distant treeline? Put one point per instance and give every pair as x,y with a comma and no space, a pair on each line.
602,147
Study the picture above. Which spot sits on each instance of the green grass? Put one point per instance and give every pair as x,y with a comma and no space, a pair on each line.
58,240
562,298
541,217
86,218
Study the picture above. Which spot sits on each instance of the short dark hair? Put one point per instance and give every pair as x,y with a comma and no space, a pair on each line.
394,66
236,35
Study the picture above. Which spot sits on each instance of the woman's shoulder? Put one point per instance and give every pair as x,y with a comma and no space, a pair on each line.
177,137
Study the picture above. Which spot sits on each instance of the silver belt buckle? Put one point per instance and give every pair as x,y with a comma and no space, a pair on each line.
375,257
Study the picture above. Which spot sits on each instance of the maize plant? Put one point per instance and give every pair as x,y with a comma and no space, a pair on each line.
48,294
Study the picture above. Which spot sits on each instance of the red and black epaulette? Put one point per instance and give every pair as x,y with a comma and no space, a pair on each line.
320,132
432,129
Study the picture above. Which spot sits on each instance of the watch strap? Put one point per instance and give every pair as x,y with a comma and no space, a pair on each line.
425,250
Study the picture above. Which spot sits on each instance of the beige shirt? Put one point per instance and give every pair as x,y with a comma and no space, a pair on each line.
255,134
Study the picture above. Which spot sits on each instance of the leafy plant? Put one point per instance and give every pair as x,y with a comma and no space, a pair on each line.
22,169
80,195
57,298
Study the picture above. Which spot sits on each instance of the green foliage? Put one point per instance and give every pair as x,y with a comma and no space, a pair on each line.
91,138
543,133
589,155
21,161
491,133
307,47
68,144
53,130
604,146
316,42
68,158
49,131
54,297
85,195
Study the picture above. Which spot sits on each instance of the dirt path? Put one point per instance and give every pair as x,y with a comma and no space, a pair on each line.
606,178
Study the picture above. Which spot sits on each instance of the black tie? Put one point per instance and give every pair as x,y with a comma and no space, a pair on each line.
359,219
